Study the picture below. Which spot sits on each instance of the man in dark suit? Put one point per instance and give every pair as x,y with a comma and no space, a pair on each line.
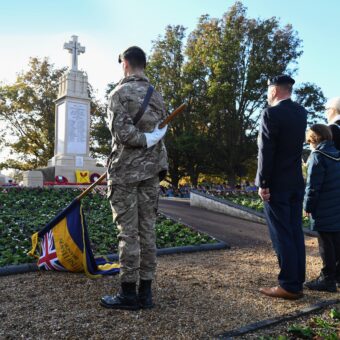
333,118
281,185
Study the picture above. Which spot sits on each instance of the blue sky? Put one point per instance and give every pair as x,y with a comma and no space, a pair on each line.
39,28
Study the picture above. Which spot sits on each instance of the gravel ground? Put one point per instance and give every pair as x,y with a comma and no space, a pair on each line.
198,296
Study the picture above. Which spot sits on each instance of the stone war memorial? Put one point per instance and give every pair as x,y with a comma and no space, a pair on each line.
72,129
223,246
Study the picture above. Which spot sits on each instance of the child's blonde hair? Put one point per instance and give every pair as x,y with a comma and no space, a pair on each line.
318,133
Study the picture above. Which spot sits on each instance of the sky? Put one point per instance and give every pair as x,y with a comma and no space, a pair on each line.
106,27
39,28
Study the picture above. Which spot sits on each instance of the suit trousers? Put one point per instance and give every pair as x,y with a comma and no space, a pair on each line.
329,247
134,208
284,218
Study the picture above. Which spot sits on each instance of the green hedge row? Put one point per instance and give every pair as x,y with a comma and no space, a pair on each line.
24,211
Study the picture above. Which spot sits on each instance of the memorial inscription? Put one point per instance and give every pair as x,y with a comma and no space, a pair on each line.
77,128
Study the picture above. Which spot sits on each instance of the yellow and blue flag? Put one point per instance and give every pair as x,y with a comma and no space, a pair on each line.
65,245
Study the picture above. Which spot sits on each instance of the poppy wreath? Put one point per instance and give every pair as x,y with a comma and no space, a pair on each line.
94,177
61,179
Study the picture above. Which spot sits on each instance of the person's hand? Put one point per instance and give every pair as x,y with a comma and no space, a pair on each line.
306,214
264,194
152,138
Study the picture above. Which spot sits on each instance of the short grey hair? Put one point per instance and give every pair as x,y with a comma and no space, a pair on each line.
333,103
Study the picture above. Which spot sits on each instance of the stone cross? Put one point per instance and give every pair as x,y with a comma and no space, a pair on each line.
75,49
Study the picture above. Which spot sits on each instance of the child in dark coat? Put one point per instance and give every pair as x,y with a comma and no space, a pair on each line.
322,204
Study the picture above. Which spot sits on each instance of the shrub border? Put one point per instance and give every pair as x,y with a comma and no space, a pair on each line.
32,267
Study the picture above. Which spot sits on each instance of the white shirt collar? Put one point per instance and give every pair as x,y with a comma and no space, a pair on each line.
337,117
277,103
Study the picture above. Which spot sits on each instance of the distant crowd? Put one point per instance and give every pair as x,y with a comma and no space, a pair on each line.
183,191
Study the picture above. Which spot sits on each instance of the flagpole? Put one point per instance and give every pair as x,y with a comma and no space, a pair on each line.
103,176
94,184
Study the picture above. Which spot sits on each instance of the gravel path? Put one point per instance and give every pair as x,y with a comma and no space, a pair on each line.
198,296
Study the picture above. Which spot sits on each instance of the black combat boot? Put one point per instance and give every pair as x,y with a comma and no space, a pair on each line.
125,299
321,284
145,294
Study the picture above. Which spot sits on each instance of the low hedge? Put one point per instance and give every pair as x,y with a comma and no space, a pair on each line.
24,211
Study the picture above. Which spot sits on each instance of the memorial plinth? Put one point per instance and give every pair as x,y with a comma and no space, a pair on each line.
72,123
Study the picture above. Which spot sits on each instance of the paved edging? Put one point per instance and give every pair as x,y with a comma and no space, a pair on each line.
253,327
224,206
198,199
18,269
32,267
178,220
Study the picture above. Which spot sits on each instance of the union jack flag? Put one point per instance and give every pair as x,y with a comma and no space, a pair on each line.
49,259
65,245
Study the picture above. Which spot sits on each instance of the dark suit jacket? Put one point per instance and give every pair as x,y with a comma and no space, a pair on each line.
335,127
281,138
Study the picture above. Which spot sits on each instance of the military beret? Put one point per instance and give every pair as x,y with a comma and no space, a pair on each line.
133,52
281,80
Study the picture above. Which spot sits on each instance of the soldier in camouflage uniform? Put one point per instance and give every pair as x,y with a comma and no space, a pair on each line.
137,158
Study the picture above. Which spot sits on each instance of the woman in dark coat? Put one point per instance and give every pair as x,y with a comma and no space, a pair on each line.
322,204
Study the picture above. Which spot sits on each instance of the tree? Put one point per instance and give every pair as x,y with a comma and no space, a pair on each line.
222,73
165,71
236,55
311,97
27,110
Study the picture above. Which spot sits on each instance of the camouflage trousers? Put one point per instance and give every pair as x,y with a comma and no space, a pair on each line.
134,207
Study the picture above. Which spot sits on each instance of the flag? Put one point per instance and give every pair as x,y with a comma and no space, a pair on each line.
65,245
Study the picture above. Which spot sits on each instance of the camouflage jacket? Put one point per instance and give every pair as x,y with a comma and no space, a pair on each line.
130,161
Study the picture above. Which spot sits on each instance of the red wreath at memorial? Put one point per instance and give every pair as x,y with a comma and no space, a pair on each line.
94,177
61,179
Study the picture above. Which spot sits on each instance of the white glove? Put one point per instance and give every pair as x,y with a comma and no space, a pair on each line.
152,138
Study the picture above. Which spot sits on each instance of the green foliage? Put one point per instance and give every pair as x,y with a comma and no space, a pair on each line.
220,70
311,97
165,71
301,332
170,234
222,73
318,328
251,201
27,110
334,314
25,211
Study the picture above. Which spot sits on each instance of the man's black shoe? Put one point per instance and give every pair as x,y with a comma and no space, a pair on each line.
126,299
321,285
145,294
